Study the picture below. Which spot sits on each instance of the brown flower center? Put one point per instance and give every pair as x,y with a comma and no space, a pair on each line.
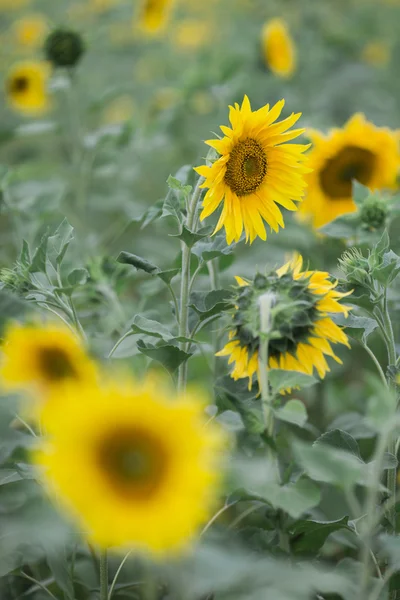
339,171
18,85
246,167
55,364
133,461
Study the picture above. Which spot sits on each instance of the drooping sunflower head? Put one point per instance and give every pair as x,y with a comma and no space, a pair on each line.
26,87
147,461
360,151
256,171
301,327
278,49
154,15
41,358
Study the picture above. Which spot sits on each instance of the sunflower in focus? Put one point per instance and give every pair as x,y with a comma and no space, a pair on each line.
302,330
25,87
256,171
31,30
148,463
278,48
154,15
359,151
42,357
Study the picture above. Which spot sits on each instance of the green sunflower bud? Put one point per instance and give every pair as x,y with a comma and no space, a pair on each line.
373,213
64,48
355,267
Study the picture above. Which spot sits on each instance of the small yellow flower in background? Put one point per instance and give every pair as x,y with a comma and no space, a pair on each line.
359,151
154,15
278,48
42,357
120,109
136,467
302,331
26,87
13,4
256,171
99,6
191,34
31,30
202,102
376,54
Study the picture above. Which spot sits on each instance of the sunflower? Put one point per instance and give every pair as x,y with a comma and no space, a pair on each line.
26,87
302,330
31,30
134,466
359,151
255,172
42,357
278,48
154,15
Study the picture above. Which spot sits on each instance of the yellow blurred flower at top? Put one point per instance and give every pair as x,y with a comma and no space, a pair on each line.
278,48
13,4
26,87
31,30
100,6
41,358
120,109
191,34
136,465
154,15
359,151
376,54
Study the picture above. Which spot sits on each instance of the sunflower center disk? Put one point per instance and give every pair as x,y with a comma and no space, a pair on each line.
246,167
55,364
19,85
350,163
133,462
292,324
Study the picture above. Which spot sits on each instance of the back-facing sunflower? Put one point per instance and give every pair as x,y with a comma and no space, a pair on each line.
256,171
302,330
360,151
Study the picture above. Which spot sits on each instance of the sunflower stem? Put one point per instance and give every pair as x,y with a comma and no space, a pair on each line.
103,575
265,301
191,224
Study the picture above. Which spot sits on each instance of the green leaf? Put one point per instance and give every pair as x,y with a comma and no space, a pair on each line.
280,379
341,440
360,193
210,249
38,264
25,256
10,307
309,536
59,242
358,328
59,566
294,412
294,498
169,356
354,424
175,184
152,328
168,275
78,277
344,227
231,421
172,207
141,264
190,238
383,245
207,304
388,269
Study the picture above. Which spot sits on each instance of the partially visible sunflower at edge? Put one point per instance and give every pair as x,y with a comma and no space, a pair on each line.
154,15
26,87
302,329
40,358
359,151
257,170
148,463
278,48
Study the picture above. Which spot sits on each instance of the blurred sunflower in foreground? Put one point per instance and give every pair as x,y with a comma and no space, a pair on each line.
30,31
26,87
136,467
278,48
359,151
154,15
302,330
255,172
41,357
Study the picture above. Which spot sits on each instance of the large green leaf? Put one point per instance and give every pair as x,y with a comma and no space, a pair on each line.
308,536
168,355
280,379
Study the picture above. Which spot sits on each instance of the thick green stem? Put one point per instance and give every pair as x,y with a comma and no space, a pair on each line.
103,575
185,281
265,328
214,280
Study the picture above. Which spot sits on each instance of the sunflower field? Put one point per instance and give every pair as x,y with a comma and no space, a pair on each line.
199,300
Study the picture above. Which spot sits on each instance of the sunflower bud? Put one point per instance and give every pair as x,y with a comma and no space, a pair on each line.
355,267
373,213
64,48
